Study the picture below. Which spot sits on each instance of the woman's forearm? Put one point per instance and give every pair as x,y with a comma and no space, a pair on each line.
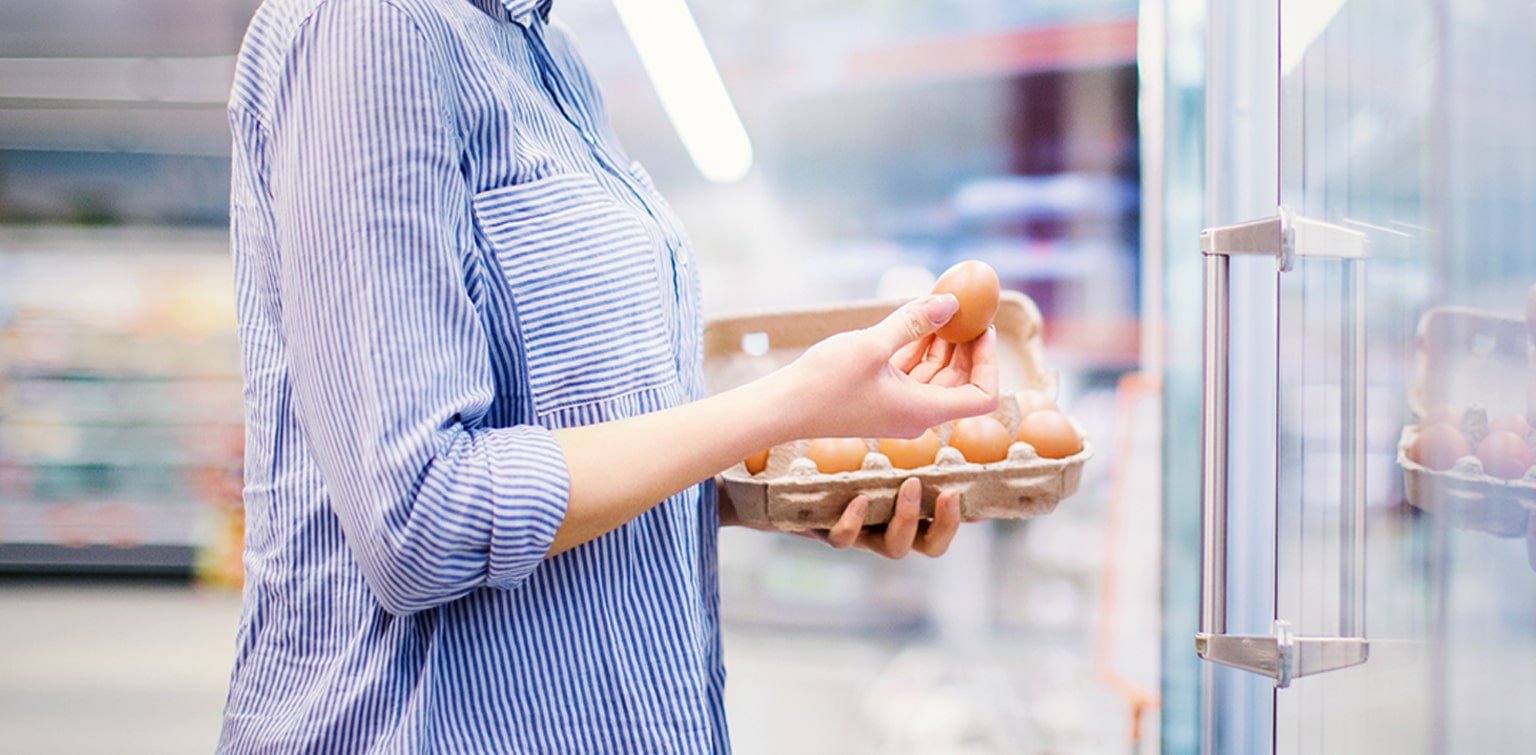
620,469
854,384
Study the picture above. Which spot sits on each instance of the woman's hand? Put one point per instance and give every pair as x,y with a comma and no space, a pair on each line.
890,380
894,379
905,533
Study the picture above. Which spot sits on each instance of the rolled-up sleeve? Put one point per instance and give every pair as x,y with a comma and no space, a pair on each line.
388,356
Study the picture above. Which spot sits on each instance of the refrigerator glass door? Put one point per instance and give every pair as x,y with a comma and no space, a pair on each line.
1358,118
1404,591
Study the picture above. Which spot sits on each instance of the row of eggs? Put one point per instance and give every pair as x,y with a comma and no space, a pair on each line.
982,439
1448,434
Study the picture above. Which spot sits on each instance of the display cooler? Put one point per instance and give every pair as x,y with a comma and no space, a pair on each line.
1361,501
120,418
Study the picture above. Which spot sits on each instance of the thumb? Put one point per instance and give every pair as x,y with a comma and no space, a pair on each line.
915,319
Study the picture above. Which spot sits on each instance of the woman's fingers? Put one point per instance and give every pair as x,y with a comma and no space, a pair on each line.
957,367
935,538
934,362
913,320
905,533
981,371
901,531
970,391
913,354
850,525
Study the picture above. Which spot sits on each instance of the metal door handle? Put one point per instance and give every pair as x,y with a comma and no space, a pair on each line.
1281,655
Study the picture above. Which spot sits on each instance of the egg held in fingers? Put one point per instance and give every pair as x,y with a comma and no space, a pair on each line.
975,285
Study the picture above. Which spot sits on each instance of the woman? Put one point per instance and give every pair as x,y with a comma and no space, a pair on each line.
478,501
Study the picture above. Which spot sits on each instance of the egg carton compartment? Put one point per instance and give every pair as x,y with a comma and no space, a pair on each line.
792,494
1481,362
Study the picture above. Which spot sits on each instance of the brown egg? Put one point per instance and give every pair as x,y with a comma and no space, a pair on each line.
913,453
1439,445
975,284
981,440
1050,433
1030,399
757,462
1505,455
837,454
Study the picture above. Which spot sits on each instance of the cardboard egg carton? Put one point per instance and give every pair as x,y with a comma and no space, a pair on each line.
791,494
1481,361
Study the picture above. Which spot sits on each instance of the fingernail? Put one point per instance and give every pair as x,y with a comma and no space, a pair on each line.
944,306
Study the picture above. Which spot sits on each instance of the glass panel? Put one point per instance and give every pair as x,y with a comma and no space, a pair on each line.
1356,119
1240,186
1404,122
1486,630
1173,65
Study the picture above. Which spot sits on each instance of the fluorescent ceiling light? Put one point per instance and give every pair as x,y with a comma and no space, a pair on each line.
691,91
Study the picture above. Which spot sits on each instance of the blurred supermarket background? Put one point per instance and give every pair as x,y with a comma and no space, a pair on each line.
888,139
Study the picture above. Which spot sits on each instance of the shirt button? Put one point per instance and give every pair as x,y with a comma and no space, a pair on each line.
587,137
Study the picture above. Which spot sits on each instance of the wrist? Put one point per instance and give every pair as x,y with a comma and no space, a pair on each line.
781,408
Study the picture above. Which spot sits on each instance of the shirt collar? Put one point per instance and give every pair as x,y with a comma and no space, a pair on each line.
518,10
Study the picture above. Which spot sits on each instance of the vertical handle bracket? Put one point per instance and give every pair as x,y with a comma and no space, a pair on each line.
1281,655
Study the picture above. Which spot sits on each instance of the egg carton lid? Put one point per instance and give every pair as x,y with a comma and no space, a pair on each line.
742,347
1468,356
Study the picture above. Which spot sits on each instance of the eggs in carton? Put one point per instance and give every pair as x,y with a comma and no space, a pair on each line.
791,493
1468,457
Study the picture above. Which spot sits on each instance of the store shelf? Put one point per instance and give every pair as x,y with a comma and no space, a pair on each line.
47,558
120,399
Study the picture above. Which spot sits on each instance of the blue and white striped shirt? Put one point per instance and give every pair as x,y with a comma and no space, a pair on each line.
442,253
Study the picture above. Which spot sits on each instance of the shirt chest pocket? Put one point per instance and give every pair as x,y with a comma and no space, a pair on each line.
584,285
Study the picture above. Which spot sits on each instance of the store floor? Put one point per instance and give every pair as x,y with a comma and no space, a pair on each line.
112,667
130,668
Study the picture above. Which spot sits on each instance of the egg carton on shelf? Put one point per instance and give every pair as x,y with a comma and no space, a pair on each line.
1481,362
790,494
